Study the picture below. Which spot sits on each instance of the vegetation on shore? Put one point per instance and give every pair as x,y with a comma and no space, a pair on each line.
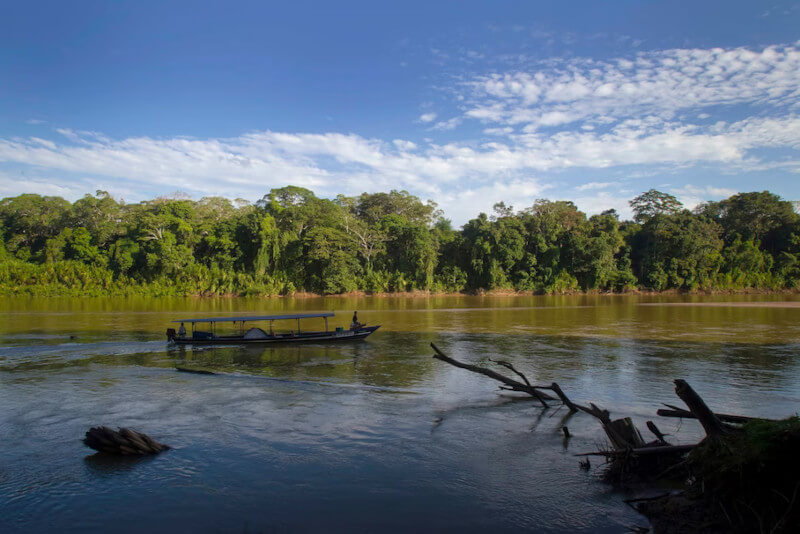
747,481
291,241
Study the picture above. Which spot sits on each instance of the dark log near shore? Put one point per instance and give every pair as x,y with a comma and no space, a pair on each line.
741,478
124,442
651,426
711,424
643,451
194,371
674,411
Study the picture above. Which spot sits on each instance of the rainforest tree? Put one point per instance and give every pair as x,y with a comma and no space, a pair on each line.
291,241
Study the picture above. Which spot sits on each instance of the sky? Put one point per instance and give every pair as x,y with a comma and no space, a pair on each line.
464,103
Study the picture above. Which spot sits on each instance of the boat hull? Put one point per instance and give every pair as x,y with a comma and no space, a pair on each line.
312,337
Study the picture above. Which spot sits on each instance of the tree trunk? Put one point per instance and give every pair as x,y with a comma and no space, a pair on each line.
711,424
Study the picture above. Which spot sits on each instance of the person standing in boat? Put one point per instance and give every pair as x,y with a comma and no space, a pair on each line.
355,324
182,331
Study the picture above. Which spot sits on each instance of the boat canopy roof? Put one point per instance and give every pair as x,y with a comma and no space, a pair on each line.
247,318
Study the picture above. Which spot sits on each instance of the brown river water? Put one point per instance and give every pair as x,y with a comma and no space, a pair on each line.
363,436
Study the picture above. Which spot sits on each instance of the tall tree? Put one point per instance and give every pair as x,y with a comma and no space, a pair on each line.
759,216
652,203
29,220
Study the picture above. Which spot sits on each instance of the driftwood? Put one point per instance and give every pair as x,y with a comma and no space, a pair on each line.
621,432
509,382
727,472
564,399
674,411
629,452
524,378
651,426
711,424
123,442
194,371
643,451
626,434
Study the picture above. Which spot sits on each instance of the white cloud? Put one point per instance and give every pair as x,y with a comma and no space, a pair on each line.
659,83
449,124
602,201
251,164
466,203
691,195
625,112
590,186
12,184
404,145
499,131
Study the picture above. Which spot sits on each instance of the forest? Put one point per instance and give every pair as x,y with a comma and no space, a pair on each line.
292,242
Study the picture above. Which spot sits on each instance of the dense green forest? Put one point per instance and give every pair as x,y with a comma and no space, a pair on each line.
292,241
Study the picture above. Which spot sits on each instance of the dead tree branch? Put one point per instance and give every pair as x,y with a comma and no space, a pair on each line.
509,382
711,424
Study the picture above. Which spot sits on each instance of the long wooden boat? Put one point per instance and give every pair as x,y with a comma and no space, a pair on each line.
249,333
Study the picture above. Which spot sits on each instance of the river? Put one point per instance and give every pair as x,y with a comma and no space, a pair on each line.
362,436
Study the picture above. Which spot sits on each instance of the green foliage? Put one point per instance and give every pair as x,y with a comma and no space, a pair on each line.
679,250
753,470
563,283
652,203
753,216
291,240
29,220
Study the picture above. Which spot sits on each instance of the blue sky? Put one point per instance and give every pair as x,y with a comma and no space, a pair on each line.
465,103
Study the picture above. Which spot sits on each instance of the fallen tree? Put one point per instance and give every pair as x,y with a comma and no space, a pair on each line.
744,476
622,433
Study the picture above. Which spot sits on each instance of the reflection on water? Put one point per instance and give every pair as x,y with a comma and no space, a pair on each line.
365,435
109,465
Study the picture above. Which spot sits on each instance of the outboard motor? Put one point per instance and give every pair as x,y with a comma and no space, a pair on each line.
170,334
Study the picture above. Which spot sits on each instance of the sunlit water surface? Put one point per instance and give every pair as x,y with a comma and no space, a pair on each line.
362,436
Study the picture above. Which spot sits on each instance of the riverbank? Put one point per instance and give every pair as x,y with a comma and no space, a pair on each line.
747,480
512,293
146,291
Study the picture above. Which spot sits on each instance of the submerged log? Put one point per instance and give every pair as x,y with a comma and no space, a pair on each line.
123,442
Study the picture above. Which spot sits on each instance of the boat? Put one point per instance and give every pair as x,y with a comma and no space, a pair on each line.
250,333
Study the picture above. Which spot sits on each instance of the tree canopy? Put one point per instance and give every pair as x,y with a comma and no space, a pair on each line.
292,241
